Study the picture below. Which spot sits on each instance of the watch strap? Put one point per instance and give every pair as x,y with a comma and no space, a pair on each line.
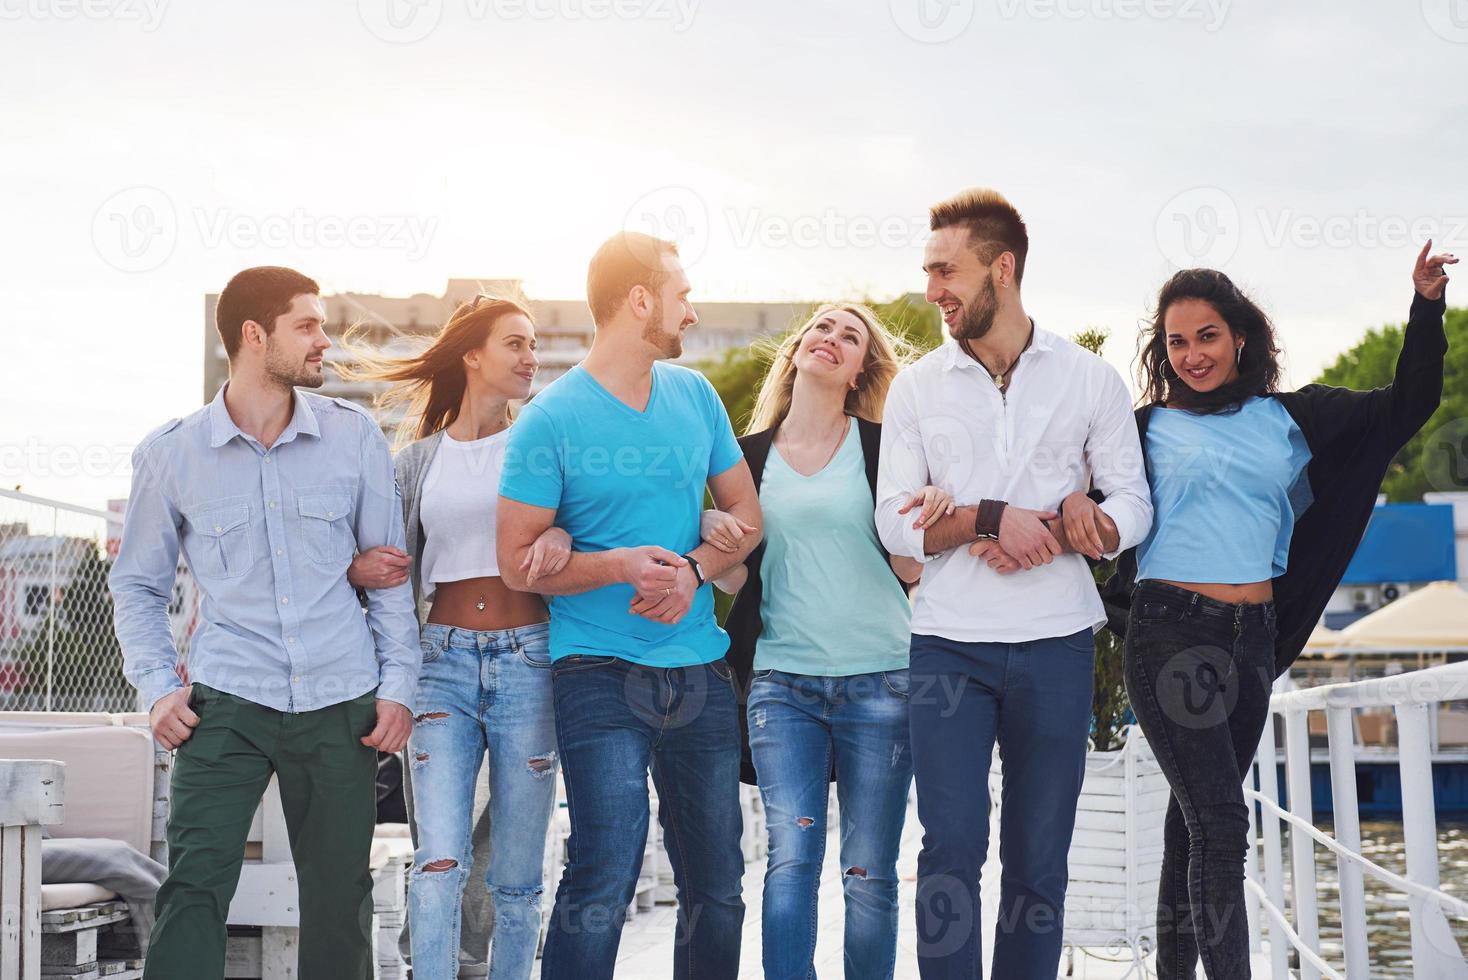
697,569
986,520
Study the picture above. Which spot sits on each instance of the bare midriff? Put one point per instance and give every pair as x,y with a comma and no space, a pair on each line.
1250,592
458,604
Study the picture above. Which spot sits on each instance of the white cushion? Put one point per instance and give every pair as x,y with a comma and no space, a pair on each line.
73,896
109,779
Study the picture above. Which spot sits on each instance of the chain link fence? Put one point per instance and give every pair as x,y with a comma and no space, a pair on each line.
58,651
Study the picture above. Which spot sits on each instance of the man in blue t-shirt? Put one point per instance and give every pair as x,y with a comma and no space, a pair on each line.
618,452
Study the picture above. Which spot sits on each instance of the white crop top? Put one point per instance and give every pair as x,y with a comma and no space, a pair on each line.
457,511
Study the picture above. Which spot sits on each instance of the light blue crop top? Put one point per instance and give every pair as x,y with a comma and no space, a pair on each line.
1226,492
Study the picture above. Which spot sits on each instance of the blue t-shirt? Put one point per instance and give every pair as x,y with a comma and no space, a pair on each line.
1226,492
620,478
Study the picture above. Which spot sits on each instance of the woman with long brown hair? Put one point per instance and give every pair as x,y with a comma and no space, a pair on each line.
1260,497
485,686
819,638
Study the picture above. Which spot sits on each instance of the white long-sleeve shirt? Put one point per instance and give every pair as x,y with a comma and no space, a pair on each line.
1065,424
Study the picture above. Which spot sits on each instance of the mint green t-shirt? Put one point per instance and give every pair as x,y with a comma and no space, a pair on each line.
831,606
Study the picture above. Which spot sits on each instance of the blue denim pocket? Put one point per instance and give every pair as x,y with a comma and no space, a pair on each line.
1081,641
534,649
431,649
896,682
580,661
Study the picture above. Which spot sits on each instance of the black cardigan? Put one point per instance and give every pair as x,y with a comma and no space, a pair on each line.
1353,436
743,623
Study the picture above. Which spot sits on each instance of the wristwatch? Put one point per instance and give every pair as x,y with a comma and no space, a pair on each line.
697,571
986,520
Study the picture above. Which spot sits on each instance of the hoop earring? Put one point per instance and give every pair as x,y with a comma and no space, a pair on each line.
1239,356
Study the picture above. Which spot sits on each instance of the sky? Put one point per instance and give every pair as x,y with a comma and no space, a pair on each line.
149,149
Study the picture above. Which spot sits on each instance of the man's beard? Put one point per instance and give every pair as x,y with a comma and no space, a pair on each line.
670,345
978,318
290,374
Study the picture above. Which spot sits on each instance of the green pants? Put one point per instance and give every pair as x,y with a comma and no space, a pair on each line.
327,788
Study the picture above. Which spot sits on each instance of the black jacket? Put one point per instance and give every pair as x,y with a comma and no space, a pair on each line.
743,623
1353,436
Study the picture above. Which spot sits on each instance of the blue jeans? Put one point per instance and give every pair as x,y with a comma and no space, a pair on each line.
799,727
1035,699
614,721
481,691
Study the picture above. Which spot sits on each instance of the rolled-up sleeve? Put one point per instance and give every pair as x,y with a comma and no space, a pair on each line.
141,582
902,470
1114,455
391,614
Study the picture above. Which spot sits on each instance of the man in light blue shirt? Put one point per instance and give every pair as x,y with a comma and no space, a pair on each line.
268,492
618,452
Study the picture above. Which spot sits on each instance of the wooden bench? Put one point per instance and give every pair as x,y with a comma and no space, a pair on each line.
31,796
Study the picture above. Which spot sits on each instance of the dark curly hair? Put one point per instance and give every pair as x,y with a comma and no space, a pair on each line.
1258,364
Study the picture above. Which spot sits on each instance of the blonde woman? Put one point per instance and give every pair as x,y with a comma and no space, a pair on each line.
819,637
485,688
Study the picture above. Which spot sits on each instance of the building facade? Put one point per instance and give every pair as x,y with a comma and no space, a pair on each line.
563,327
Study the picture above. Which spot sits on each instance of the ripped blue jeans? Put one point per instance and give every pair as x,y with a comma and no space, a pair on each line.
801,730
481,692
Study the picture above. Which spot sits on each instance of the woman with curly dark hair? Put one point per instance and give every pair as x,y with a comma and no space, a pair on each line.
1260,499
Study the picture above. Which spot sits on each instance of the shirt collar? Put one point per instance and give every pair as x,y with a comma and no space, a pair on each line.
222,428
957,357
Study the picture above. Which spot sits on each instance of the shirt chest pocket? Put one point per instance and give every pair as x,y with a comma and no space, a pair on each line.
224,548
325,533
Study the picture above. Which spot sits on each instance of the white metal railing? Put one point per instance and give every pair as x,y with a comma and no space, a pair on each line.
1435,951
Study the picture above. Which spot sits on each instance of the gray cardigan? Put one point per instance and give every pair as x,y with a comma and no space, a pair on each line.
411,464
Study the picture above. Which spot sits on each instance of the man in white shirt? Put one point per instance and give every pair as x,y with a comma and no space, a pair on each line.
1017,424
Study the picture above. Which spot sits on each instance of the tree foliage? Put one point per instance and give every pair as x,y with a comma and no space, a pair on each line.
1372,363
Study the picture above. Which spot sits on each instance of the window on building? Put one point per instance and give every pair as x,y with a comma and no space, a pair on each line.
35,600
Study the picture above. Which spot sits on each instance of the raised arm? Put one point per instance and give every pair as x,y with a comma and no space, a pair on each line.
1416,388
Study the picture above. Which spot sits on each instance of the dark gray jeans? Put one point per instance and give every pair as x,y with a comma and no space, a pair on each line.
1199,674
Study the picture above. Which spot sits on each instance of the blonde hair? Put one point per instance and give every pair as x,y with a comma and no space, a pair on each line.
887,353
431,383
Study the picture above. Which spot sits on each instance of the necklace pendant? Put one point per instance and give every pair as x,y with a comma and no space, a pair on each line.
480,604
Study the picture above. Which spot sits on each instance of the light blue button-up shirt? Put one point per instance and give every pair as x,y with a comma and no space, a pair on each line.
268,534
